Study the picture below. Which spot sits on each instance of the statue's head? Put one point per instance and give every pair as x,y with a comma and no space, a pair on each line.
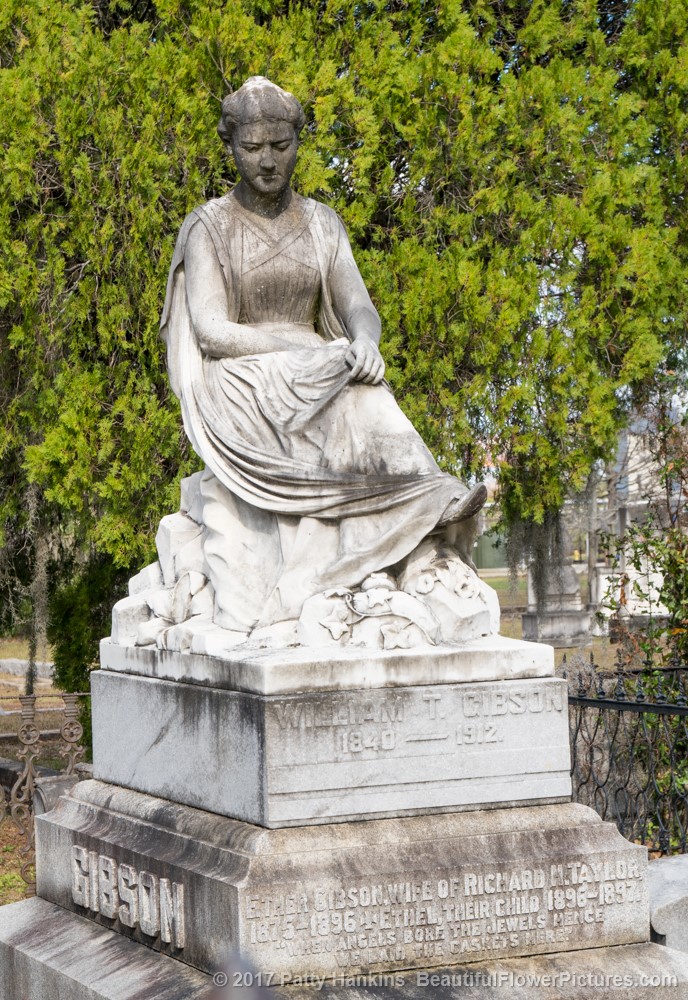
259,100
261,122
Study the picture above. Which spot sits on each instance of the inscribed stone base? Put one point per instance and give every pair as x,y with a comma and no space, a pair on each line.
367,897
323,756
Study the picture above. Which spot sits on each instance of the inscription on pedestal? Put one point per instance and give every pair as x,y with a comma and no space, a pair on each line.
378,896
442,746
328,756
452,717
470,914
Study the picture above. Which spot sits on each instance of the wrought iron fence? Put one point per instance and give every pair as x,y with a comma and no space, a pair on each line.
629,751
18,806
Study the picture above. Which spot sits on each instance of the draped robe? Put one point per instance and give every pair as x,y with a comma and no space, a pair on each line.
313,481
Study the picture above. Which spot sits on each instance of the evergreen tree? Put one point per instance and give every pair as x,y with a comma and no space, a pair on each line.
513,177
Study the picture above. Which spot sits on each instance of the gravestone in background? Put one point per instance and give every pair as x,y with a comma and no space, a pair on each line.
561,619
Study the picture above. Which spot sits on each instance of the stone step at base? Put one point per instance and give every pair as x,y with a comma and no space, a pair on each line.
649,972
47,953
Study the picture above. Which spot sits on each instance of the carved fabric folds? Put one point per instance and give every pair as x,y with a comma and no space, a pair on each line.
320,480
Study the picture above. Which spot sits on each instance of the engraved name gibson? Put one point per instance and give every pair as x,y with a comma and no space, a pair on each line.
135,898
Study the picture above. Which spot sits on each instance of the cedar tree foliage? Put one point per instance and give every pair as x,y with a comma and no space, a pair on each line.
512,173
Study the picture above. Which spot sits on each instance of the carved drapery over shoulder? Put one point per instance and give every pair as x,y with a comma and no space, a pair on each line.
237,410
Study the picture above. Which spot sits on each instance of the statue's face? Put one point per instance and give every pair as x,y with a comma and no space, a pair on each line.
265,155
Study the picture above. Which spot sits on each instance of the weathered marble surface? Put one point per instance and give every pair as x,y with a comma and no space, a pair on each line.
286,671
314,757
668,884
49,954
433,597
75,959
321,517
381,895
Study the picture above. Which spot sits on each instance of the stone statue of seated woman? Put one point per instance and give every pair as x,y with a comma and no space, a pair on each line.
321,516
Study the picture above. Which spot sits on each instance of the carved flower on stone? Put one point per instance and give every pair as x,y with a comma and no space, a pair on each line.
425,583
395,636
457,578
466,589
363,604
378,597
336,625
379,580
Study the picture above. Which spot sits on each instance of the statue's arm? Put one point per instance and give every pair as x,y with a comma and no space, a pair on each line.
356,311
217,335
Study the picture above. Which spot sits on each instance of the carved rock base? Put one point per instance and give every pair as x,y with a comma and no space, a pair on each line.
431,598
343,899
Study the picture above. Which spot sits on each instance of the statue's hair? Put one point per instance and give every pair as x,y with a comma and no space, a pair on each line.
257,100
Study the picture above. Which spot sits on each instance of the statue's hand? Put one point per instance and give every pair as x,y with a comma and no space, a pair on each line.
365,361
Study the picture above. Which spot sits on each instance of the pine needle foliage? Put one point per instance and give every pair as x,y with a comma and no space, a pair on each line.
513,176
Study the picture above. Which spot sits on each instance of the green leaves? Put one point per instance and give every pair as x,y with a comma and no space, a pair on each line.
512,175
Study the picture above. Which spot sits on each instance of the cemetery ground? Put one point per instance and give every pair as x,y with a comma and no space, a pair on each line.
12,885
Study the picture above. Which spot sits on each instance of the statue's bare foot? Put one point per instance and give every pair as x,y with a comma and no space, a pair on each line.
461,508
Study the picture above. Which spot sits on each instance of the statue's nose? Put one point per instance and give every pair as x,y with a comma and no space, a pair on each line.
267,160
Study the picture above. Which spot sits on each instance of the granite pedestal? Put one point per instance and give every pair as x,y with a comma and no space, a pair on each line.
368,897
314,752
390,814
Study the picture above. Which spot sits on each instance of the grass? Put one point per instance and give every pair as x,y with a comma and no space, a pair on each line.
18,649
511,593
12,885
